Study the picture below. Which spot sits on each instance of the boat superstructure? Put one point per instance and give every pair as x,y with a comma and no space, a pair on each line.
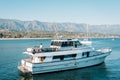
61,55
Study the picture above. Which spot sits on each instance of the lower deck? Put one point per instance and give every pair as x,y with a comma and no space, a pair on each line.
44,67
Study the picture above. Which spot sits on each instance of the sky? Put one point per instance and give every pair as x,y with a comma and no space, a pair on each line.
74,11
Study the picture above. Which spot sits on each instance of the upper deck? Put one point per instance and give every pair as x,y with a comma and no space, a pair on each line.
58,47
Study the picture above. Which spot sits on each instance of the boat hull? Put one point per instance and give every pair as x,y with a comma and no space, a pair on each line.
45,67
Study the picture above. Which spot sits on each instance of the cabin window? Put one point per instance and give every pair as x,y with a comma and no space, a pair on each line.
58,57
76,44
86,54
66,44
42,58
70,56
57,43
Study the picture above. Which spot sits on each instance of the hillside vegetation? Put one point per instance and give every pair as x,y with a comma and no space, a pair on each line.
35,29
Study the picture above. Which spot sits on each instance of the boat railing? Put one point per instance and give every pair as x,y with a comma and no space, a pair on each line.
37,50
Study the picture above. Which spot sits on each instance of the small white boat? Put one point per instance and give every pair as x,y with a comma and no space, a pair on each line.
86,42
61,55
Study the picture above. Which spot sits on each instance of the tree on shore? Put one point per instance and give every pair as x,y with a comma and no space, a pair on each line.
1,35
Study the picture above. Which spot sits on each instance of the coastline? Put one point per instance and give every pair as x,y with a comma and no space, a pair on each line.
21,38
46,38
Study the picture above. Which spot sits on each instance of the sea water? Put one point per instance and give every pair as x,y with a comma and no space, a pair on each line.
11,53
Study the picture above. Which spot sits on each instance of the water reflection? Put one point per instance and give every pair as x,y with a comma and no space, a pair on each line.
90,73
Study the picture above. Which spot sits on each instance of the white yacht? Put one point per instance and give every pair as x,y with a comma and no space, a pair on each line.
61,55
86,42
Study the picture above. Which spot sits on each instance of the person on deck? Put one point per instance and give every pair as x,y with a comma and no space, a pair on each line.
41,46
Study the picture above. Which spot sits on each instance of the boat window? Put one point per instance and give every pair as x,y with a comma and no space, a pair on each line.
42,58
59,57
71,55
63,44
62,57
83,54
86,54
75,45
66,44
56,43
78,43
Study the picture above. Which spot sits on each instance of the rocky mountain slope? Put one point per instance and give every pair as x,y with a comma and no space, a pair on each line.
18,25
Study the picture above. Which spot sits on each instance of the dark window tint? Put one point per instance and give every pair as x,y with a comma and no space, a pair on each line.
64,56
66,44
58,57
86,54
71,55
56,43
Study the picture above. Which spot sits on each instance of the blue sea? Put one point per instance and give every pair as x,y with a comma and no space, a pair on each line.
11,52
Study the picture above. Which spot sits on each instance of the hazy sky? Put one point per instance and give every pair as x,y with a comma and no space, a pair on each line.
76,11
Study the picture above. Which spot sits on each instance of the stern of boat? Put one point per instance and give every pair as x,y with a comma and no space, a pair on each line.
25,66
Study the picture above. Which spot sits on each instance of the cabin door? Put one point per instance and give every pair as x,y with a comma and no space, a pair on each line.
75,62
85,54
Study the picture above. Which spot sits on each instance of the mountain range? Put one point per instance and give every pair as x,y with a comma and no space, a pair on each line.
23,26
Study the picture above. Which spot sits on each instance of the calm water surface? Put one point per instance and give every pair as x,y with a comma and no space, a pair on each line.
11,54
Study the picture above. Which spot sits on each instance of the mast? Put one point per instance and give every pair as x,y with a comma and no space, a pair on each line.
56,32
87,31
